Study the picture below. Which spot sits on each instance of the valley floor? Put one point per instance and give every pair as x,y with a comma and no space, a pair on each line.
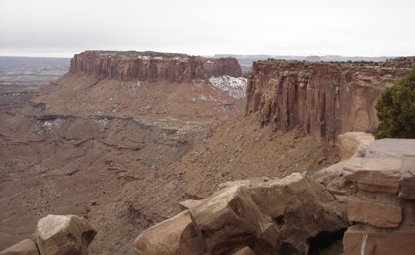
125,173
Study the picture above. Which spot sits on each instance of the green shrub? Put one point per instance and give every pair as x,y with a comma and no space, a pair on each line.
396,109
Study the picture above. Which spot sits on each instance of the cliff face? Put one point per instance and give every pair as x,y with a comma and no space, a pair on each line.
152,66
325,99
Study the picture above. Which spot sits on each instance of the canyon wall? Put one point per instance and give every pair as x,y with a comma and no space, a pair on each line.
148,65
324,99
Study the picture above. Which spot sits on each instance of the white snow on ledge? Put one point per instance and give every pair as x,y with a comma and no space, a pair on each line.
234,86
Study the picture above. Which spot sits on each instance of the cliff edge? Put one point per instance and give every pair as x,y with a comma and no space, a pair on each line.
324,99
129,65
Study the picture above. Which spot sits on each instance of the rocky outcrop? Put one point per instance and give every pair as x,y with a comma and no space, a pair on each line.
152,242
324,99
274,216
353,144
361,240
64,234
378,183
382,204
373,213
133,65
56,235
386,167
25,247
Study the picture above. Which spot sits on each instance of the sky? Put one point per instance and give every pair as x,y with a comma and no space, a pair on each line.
61,28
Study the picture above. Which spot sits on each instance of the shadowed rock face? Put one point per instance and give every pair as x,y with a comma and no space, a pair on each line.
152,66
325,99
272,216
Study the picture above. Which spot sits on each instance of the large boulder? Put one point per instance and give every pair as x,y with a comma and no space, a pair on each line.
230,219
273,216
25,247
64,235
301,208
163,238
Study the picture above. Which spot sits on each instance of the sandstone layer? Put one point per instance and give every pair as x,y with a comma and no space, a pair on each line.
272,216
382,203
152,66
324,99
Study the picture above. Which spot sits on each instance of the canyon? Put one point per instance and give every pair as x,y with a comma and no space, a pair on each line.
124,137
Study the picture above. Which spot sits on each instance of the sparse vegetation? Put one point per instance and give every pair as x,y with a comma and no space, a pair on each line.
396,109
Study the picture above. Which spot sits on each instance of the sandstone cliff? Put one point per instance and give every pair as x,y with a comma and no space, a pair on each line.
325,99
152,66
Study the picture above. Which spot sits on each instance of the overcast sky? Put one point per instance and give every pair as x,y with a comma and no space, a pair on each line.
289,27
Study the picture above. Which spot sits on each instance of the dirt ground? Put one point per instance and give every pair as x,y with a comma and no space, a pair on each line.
67,152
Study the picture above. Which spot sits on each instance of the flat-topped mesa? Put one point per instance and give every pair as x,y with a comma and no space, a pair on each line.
130,65
324,99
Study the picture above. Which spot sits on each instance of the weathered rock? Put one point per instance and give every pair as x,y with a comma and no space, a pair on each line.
361,240
268,216
191,243
392,148
353,144
152,66
301,208
350,144
407,182
325,99
25,247
163,238
375,174
64,235
244,251
190,203
373,213
230,218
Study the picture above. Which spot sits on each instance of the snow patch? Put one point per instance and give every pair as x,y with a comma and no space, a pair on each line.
234,86
49,124
102,124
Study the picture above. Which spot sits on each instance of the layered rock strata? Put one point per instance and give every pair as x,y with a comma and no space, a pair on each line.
324,99
383,203
149,65
273,216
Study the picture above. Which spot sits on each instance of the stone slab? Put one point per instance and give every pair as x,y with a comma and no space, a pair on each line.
375,174
356,240
392,148
373,213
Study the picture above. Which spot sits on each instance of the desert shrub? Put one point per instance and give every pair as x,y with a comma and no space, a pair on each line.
396,109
